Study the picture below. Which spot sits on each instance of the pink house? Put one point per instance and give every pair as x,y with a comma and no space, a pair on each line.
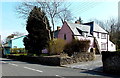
89,31
70,31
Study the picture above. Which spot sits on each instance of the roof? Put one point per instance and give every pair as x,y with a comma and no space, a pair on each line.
95,27
18,37
74,27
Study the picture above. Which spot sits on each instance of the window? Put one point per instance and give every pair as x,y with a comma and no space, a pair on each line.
15,46
98,35
103,46
85,34
64,36
103,36
111,45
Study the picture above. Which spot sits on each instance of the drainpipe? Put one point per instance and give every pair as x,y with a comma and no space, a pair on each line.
107,42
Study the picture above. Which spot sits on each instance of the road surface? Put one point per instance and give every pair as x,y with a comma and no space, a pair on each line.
18,68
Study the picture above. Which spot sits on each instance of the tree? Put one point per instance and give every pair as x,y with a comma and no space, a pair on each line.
9,37
52,9
18,34
114,34
65,16
79,20
38,29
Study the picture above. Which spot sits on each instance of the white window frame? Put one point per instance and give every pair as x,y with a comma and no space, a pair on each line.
103,36
103,46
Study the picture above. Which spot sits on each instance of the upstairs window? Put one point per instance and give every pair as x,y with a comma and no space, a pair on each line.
98,36
103,36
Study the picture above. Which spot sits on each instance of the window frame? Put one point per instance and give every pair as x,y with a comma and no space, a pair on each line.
65,38
103,36
105,46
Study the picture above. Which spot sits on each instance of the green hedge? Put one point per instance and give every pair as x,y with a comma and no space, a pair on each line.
17,50
56,46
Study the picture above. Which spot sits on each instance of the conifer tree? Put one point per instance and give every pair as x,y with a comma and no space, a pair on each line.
38,32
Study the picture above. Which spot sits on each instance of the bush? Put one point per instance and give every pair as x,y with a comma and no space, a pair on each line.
77,46
17,50
118,50
56,46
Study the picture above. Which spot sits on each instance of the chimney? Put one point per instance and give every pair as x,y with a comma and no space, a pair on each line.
77,22
58,27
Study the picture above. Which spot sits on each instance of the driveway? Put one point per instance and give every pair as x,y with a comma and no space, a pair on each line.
95,65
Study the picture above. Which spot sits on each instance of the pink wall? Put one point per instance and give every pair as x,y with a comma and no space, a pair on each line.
65,30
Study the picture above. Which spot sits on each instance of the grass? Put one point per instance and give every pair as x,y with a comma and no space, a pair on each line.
25,54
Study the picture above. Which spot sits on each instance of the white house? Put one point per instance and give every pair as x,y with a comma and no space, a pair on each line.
102,37
98,36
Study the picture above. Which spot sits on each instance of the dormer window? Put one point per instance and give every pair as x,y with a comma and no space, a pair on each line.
85,34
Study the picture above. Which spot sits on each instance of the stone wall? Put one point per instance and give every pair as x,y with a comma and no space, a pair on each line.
84,56
111,62
56,60
45,60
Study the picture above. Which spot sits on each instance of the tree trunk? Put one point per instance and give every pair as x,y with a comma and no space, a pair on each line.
53,26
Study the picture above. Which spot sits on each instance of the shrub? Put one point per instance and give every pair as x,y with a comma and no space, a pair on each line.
56,46
77,46
17,50
118,50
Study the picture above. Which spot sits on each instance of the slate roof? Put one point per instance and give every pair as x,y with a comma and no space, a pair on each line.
83,28
95,27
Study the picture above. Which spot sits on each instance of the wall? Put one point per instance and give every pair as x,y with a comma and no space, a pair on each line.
100,41
111,46
55,60
18,42
65,30
81,57
6,50
111,62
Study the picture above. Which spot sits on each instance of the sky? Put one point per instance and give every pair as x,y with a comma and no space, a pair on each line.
101,10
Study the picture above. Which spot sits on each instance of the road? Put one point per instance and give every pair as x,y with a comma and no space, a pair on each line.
18,68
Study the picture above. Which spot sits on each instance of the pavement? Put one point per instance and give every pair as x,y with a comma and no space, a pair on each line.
95,65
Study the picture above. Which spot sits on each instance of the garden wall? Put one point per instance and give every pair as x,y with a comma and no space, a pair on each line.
55,60
45,60
77,58
111,62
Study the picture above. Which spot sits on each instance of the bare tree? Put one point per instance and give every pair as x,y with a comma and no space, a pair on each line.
52,9
18,34
99,22
66,15
9,37
108,25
